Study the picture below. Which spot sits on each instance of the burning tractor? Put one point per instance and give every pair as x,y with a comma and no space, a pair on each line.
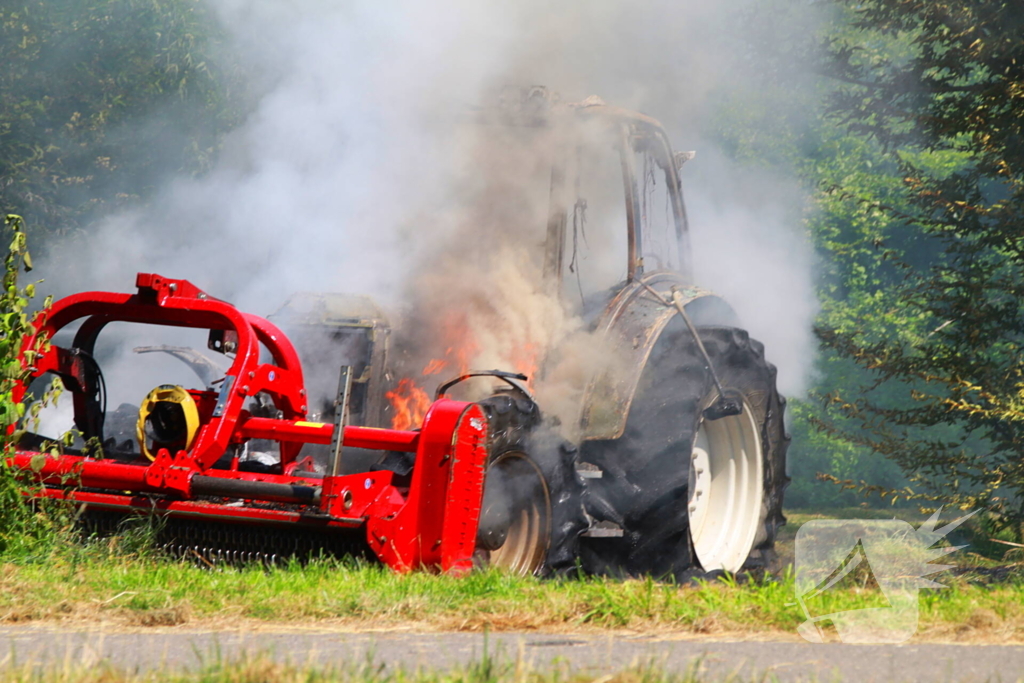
311,430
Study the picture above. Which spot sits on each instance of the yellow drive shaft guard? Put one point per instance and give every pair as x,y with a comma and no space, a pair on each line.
167,393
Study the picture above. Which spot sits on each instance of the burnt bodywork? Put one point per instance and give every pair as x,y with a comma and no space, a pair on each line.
631,315
330,331
336,329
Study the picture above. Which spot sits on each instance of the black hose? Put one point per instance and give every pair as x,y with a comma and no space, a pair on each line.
240,488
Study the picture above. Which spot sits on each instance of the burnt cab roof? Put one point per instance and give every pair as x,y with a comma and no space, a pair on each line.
536,106
331,309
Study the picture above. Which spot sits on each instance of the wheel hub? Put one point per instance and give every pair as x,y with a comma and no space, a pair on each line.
495,513
726,490
515,519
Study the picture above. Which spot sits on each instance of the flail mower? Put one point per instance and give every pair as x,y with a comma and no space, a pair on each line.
190,470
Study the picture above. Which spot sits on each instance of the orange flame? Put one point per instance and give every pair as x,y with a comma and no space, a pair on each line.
435,367
408,400
410,403
525,360
461,346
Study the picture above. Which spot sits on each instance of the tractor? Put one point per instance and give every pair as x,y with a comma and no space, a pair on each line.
670,463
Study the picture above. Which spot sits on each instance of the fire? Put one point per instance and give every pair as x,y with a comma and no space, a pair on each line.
460,347
435,367
410,403
525,360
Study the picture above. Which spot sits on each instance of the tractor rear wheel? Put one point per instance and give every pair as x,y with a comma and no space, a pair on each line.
694,491
532,512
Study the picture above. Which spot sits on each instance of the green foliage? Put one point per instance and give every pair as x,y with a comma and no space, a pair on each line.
28,528
780,131
850,179
902,184
272,666
930,254
14,323
101,99
18,520
822,457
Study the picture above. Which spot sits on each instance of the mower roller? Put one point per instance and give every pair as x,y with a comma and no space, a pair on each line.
429,521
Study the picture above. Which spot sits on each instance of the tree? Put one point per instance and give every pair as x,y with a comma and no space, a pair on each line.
99,99
938,88
770,123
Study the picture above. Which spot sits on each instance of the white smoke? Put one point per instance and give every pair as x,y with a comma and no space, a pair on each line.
338,178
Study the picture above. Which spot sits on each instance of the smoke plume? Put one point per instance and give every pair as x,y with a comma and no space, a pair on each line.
349,175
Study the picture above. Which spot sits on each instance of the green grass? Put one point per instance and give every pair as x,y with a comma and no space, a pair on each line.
141,591
122,583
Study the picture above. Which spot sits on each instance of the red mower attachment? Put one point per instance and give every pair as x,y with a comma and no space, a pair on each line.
427,520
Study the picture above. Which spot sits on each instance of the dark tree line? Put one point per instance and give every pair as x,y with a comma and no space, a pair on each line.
101,99
937,88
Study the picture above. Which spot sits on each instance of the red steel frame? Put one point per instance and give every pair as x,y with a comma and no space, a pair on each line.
432,524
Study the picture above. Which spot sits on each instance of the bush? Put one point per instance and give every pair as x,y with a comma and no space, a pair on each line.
23,524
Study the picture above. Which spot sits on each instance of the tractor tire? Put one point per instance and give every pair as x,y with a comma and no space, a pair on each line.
532,513
692,493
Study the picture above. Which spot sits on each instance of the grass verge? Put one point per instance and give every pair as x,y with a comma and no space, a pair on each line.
146,592
121,583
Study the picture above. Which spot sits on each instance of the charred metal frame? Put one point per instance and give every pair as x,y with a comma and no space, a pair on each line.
633,319
628,127
354,316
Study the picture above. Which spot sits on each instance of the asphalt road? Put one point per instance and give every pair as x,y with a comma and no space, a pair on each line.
597,655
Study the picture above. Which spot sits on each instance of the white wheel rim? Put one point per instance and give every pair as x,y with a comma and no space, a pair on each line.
725,491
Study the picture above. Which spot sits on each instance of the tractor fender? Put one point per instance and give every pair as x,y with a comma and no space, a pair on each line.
630,326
